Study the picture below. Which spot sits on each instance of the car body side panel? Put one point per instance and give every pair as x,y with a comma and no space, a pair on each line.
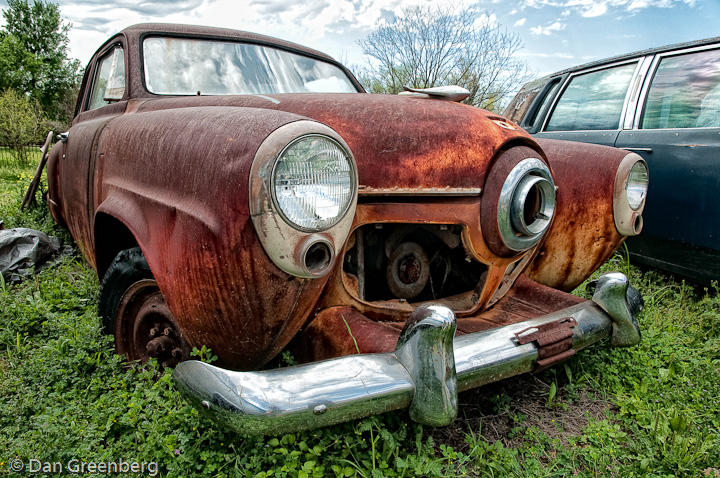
583,234
604,137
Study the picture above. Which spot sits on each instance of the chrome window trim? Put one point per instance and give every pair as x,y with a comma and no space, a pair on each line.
638,83
570,77
640,106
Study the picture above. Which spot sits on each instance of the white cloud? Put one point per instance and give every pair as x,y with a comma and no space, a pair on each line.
520,22
548,30
596,8
332,26
485,20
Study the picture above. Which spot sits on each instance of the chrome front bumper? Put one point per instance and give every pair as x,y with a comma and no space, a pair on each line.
425,373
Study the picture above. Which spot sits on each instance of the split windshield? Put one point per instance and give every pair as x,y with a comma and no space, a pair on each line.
184,66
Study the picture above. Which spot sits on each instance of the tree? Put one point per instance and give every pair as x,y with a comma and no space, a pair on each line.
425,47
21,123
33,55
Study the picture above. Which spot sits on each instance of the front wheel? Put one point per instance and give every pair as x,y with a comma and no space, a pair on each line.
134,311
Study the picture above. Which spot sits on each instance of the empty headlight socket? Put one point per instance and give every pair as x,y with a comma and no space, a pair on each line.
513,224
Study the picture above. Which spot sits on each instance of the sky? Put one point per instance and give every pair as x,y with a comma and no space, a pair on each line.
556,34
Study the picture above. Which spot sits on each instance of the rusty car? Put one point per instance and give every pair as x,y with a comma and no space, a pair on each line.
244,193
664,104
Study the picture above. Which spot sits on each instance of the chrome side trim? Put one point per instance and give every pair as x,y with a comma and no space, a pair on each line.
424,373
446,191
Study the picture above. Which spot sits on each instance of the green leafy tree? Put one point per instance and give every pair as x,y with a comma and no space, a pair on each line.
21,123
33,55
434,46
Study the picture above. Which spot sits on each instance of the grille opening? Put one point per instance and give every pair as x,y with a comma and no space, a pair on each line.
412,262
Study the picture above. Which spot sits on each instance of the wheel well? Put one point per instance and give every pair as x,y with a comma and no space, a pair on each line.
111,237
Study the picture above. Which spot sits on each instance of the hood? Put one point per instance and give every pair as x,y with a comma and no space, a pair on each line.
398,142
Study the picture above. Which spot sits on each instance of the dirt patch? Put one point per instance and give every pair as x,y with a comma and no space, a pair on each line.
520,402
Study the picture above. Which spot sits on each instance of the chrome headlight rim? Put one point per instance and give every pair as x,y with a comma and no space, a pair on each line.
353,184
628,219
291,250
528,175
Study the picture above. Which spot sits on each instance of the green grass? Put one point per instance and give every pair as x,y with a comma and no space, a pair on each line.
30,155
651,410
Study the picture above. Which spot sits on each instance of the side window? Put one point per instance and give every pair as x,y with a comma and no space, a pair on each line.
592,101
685,92
539,112
109,83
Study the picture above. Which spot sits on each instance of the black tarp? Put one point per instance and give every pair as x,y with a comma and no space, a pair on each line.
22,250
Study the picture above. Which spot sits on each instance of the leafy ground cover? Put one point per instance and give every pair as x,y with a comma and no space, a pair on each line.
651,410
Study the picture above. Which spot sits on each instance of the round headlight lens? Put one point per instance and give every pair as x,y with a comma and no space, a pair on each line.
637,185
313,182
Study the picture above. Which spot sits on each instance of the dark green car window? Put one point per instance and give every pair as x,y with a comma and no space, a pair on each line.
593,101
685,92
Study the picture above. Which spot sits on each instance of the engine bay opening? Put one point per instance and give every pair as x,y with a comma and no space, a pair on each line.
413,262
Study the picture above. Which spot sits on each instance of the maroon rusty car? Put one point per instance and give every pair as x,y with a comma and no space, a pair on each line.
243,193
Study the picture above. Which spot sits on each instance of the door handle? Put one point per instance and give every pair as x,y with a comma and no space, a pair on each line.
635,150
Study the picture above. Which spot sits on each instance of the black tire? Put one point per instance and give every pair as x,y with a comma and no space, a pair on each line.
128,267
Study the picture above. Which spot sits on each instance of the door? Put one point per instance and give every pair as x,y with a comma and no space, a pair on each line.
591,105
77,168
677,131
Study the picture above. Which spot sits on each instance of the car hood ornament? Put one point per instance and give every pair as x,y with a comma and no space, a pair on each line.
448,93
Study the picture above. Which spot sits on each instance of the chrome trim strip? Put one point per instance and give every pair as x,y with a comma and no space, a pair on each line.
446,191
638,85
424,373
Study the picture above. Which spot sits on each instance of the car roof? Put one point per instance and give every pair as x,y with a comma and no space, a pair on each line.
214,32
628,56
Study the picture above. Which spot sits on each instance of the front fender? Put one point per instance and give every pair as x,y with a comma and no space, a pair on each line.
583,234
179,180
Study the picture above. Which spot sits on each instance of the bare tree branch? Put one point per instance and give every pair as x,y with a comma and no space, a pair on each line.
433,46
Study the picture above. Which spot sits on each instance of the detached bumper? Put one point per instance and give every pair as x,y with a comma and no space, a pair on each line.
425,372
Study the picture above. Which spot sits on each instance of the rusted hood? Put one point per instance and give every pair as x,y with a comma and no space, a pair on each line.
398,142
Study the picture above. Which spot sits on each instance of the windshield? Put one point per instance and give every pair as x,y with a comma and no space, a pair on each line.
183,66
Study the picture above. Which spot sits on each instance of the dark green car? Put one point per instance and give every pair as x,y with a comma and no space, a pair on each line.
663,104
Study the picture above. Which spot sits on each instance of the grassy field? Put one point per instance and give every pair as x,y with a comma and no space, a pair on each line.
651,410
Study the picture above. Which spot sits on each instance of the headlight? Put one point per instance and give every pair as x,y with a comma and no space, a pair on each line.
303,192
629,194
637,185
313,183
